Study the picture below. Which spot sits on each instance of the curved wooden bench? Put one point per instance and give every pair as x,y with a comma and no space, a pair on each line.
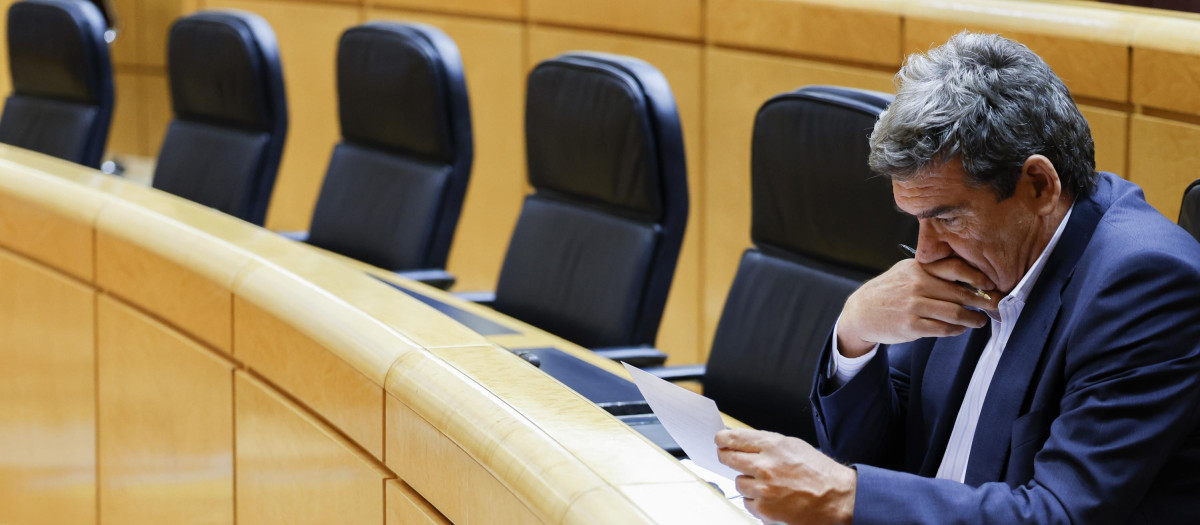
166,363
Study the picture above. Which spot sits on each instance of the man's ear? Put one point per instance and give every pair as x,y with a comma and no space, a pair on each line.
1044,186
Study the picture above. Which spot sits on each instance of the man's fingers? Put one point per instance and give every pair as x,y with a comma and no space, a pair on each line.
743,462
952,313
740,439
752,507
954,269
747,486
935,328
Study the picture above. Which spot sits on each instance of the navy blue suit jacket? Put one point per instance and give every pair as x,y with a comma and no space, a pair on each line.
1093,415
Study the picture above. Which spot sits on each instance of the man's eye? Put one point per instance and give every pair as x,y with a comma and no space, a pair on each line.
948,221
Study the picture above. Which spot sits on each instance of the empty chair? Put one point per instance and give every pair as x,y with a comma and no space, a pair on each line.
1189,211
62,99
222,148
595,246
822,224
395,185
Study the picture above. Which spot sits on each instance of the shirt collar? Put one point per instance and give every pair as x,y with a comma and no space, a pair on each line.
1021,292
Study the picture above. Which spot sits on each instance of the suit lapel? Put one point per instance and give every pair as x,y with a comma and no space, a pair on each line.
944,384
1013,378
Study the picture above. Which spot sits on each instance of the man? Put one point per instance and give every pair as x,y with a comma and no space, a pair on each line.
1066,390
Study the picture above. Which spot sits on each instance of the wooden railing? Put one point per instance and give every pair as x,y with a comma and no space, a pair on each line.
164,363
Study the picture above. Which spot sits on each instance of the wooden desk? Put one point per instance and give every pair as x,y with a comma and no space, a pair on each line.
165,363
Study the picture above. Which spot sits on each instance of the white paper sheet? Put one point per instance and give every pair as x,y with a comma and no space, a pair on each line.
691,419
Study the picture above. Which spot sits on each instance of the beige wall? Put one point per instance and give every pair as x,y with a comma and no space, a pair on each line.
1133,73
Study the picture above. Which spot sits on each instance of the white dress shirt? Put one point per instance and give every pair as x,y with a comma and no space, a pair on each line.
958,449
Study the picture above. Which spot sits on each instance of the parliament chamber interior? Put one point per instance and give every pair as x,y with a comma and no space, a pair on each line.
379,261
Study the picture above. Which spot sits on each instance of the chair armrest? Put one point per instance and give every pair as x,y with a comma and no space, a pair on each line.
639,356
679,373
434,277
301,236
485,298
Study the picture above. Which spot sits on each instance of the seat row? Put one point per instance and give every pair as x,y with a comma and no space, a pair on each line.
594,250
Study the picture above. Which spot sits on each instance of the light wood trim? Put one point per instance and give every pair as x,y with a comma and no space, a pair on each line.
1087,47
504,9
46,217
864,31
311,373
668,18
1166,64
527,452
406,507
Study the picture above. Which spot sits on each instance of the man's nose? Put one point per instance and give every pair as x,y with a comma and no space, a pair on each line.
930,247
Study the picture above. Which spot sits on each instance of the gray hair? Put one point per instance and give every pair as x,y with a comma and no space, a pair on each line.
992,103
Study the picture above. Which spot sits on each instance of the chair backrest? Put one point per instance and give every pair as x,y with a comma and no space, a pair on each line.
822,224
595,246
1189,211
222,149
62,99
395,185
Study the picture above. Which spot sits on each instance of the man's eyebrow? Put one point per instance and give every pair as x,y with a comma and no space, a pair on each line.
932,212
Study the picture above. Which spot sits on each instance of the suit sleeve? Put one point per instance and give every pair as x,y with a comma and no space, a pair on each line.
1132,381
863,420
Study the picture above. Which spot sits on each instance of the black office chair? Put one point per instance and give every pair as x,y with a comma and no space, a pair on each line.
595,246
395,185
222,149
1189,211
62,99
822,224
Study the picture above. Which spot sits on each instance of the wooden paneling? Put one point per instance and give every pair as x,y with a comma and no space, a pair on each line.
63,243
681,64
1166,65
580,426
1162,160
668,18
444,474
159,285
165,425
1088,48
291,468
154,110
506,9
126,49
5,72
125,136
737,84
480,442
308,34
493,60
406,507
159,15
866,31
1110,132
47,395
310,373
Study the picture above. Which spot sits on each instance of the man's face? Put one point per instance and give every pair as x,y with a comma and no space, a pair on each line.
958,220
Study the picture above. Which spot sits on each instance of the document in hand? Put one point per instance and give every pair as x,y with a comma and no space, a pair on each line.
691,419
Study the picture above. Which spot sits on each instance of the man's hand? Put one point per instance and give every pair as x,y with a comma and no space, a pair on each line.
785,479
911,301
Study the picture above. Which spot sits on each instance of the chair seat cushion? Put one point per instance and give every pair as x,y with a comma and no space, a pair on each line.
379,208
211,165
54,127
776,318
576,272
